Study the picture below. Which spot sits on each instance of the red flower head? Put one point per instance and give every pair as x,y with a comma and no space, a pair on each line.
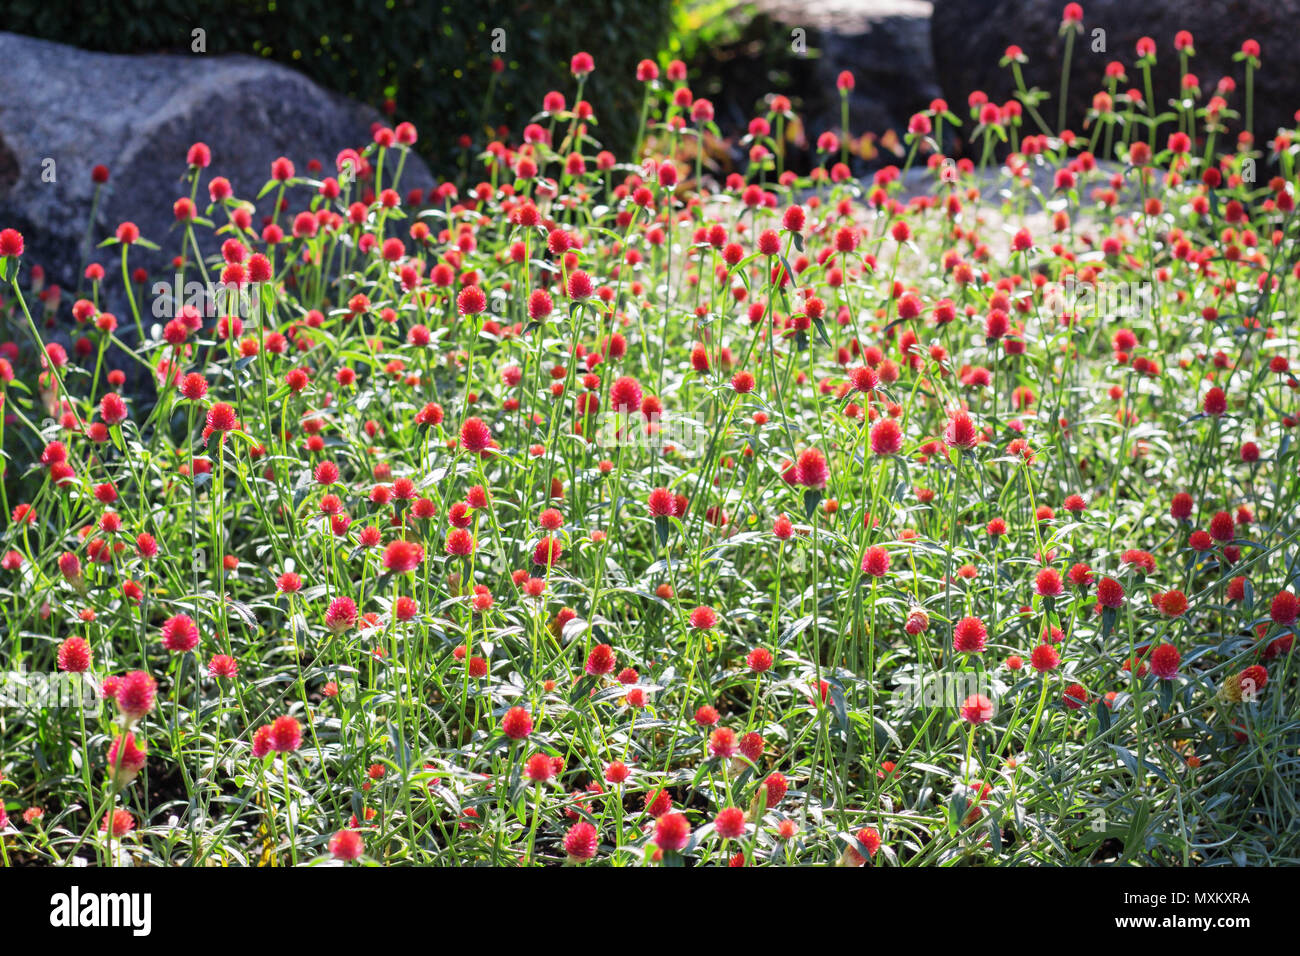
703,618
125,759
74,655
625,395
672,833
977,709
1110,593
517,723
1165,660
811,470
286,734
1048,583
969,635
580,842
1075,696
223,665
601,660
722,742
661,503
347,845
471,300
341,615
222,418
121,822
180,634
135,694
402,556
759,660
960,432
11,243
1252,680
875,562
869,839
730,823
1283,609
886,437
538,768
548,552
1045,658
112,409
475,436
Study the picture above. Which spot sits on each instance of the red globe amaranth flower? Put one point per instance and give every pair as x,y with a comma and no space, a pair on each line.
672,833
580,842
180,634
775,788
222,418
517,723
403,556
223,666
471,300
811,469
601,661
347,845
285,734
11,242
1251,681
341,615
475,436
969,635
74,655
125,760
661,503
730,823
875,562
886,437
977,709
538,768
960,431
703,618
1110,593
1048,583
866,838
120,821
722,743
759,660
135,694
1075,696
1283,609
1165,661
1045,658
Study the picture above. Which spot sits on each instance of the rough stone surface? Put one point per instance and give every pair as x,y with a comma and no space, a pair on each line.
884,43
138,115
970,36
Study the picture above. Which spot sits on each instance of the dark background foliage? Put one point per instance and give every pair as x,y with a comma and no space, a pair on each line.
432,59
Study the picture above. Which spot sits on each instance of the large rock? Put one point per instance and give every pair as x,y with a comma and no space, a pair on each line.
64,110
970,36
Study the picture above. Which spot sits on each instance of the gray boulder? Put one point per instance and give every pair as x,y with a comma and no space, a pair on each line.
65,110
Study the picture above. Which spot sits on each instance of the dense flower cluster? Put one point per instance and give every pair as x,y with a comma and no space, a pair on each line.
586,511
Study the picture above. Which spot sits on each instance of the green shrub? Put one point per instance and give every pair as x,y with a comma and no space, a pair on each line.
434,60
